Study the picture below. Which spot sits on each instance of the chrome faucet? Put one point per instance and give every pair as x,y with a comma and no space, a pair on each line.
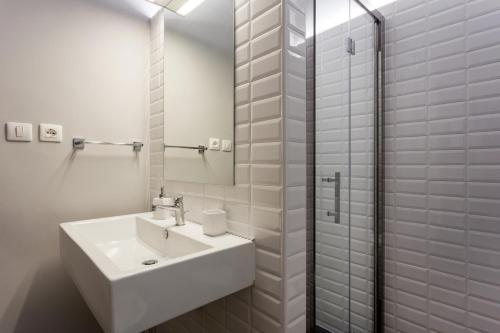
177,208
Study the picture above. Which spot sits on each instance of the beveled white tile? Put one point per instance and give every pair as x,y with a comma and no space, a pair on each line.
266,109
242,54
242,14
267,196
266,174
266,152
266,87
259,6
266,131
267,65
267,21
266,43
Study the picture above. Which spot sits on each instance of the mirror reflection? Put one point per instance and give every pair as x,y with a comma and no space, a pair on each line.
199,91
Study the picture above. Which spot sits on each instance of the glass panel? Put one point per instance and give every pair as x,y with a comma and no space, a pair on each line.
344,249
362,77
332,158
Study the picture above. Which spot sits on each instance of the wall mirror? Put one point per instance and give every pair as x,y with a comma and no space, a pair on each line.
199,91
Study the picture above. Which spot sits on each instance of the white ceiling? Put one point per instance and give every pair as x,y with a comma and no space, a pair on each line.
212,22
331,13
137,7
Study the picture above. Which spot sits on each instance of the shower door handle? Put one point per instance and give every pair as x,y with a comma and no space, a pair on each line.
335,180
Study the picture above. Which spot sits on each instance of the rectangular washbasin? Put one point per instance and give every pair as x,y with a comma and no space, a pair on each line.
133,276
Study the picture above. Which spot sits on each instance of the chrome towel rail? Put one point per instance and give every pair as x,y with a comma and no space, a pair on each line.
201,149
79,143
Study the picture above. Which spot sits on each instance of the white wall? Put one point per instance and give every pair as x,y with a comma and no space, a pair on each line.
82,64
443,166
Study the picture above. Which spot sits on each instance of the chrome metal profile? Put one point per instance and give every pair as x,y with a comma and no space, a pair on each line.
201,149
336,180
79,143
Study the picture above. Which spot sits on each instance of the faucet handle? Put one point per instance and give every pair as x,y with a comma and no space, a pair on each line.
171,199
179,200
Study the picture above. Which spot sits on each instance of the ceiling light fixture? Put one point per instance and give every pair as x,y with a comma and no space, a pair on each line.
188,7
181,7
335,13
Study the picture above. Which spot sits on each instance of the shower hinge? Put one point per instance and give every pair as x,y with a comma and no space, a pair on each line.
328,179
350,46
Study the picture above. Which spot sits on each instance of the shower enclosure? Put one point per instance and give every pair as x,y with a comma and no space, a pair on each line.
348,171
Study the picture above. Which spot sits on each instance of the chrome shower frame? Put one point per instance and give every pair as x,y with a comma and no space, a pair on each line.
379,165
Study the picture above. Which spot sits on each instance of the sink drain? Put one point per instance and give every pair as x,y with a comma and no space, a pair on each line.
150,262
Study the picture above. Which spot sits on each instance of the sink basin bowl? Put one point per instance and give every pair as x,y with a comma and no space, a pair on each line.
134,276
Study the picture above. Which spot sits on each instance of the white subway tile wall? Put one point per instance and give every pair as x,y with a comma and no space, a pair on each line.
295,166
443,166
156,106
255,205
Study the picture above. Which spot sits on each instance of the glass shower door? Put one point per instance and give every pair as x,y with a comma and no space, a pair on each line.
345,120
362,153
332,166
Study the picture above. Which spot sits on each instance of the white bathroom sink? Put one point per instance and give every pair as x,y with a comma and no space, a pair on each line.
105,257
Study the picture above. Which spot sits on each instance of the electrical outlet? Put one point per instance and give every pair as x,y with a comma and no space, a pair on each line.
50,132
214,144
227,145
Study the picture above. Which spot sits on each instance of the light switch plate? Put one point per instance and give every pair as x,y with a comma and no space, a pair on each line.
50,132
227,145
214,144
19,131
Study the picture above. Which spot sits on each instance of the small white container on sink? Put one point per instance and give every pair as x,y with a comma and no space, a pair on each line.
214,222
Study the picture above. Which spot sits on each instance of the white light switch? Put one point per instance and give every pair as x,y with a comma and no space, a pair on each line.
50,132
19,131
227,145
214,144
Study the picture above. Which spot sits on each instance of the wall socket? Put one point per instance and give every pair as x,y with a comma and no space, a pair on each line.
227,145
214,144
50,132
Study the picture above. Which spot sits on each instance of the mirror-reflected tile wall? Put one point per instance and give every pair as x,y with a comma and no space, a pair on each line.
269,134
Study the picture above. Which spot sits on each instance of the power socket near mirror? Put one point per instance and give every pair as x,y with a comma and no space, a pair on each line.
227,145
214,144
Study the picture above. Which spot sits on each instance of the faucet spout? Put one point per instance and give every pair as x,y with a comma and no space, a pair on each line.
177,208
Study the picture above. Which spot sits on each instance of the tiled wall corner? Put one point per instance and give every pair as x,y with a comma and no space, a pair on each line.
442,166
295,209
265,43
156,106
255,204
